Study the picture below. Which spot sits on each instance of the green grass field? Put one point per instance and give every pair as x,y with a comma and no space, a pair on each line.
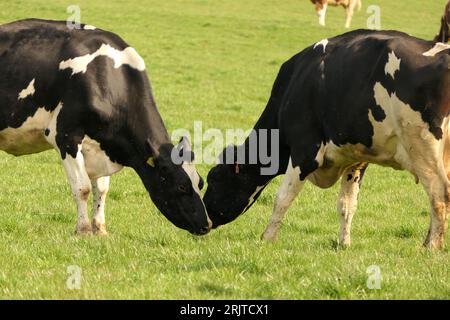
215,61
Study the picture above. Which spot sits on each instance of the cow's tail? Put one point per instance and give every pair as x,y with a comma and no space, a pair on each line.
359,5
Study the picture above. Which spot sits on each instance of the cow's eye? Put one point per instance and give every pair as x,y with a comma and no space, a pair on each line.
182,189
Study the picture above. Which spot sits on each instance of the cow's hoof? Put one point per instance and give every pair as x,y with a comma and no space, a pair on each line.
344,244
99,229
84,230
269,236
434,245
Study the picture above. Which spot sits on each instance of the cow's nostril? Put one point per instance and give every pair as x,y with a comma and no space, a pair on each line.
205,230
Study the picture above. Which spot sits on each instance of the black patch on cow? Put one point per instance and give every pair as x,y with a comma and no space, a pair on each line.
103,103
349,177
312,110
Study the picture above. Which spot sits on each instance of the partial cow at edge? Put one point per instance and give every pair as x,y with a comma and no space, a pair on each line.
85,93
361,97
348,5
444,31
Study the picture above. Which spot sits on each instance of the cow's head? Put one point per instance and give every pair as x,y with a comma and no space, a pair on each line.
174,186
232,189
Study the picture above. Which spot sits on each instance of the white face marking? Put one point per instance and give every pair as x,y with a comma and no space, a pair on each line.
89,27
193,175
128,56
322,43
438,47
190,170
28,91
393,65
97,162
29,137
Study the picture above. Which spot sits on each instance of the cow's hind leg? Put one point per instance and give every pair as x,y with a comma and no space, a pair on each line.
348,200
100,189
289,189
432,174
439,193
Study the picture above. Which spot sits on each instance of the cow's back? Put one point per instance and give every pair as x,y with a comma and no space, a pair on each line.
333,95
44,64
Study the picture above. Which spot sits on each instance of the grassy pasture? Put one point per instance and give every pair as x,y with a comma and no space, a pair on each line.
215,61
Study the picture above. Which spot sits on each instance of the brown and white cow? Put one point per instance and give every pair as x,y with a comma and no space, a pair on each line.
349,6
444,35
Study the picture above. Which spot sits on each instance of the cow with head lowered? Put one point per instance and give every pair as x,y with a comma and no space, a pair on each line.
85,93
379,97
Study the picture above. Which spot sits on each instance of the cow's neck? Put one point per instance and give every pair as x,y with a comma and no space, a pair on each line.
269,139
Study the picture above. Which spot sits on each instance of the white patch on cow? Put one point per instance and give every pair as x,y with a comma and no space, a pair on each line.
320,153
51,126
189,168
28,91
322,43
192,173
393,65
97,162
322,70
398,135
29,137
438,47
128,56
252,197
89,27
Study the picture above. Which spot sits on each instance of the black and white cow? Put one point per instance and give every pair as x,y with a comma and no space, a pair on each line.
85,93
362,97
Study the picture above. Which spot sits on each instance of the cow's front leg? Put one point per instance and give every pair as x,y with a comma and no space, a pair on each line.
100,189
321,12
289,189
80,185
348,200
350,11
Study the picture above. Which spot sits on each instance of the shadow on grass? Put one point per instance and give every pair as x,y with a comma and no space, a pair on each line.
215,289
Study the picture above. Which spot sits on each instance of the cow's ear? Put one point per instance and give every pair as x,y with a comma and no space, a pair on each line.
154,153
185,150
